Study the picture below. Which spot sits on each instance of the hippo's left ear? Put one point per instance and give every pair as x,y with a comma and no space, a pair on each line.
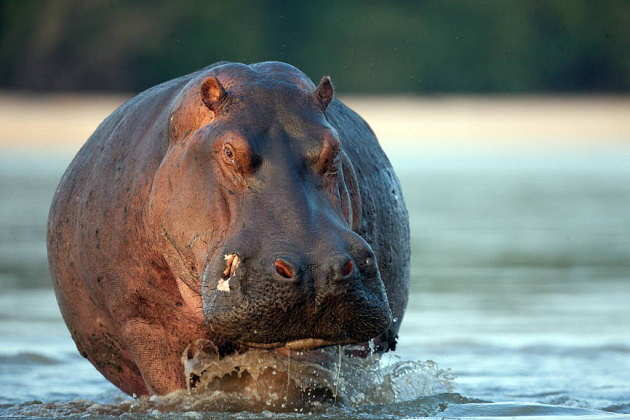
325,92
212,93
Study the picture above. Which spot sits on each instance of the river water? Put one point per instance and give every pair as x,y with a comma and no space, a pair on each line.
520,295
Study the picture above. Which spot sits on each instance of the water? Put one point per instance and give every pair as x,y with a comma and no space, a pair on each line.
520,296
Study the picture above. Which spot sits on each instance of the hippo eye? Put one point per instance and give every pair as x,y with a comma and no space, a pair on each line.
228,153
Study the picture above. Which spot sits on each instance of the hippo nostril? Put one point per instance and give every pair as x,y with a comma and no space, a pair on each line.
342,268
347,268
284,269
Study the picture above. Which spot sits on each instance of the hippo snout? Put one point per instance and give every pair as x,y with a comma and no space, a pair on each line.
295,299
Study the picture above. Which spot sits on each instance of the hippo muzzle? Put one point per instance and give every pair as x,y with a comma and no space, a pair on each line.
285,296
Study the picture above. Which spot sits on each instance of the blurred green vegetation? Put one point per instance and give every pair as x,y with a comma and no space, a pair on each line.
367,46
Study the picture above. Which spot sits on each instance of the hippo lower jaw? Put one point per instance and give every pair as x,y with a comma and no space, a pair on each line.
302,344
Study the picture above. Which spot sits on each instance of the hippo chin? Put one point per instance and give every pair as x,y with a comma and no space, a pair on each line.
241,205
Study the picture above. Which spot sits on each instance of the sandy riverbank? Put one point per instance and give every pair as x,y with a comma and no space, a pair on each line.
64,121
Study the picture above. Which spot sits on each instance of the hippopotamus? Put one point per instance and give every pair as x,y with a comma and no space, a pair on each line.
240,204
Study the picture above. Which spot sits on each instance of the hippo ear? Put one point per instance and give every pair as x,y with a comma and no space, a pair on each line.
189,113
325,92
212,93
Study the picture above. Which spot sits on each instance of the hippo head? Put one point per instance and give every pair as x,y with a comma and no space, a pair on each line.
258,205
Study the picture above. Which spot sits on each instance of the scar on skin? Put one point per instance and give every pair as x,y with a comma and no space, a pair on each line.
231,264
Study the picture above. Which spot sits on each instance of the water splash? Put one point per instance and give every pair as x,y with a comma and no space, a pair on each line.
262,381
312,379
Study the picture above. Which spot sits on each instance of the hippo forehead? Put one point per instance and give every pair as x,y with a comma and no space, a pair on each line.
271,95
235,74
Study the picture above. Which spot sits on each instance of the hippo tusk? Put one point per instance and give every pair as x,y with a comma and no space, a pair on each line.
231,264
223,285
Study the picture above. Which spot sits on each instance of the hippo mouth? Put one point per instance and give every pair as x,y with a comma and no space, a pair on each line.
232,262
282,303
301,344
264,379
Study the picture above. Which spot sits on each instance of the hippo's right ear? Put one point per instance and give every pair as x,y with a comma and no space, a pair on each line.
212,93
196,106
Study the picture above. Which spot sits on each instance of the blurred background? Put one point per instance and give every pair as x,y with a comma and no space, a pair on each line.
405,47
507,122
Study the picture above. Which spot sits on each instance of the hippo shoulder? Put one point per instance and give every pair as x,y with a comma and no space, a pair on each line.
384,218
